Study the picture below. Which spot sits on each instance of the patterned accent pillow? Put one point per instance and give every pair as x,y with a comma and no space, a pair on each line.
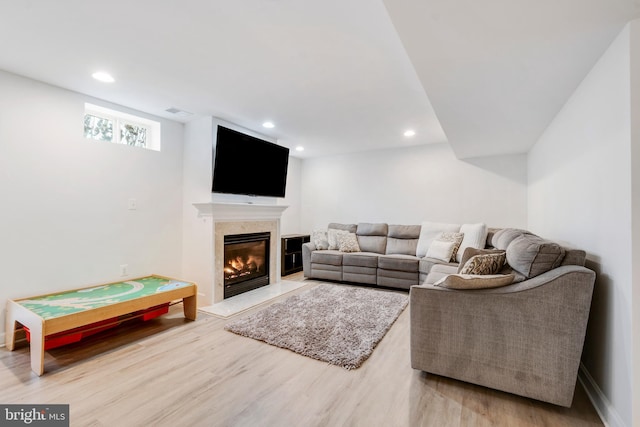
484,264
320,239
348,242
456,238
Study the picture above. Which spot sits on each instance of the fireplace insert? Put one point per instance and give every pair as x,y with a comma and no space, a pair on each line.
246,262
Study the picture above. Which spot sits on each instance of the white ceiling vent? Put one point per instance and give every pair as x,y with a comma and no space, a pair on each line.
178,112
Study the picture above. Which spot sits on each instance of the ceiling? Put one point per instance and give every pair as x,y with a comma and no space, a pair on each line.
334,76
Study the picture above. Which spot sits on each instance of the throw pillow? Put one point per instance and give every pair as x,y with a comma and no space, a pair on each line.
348,242
332,237
441,250
471,252
320,239
468,281
484,264
428,233
456,238
475,236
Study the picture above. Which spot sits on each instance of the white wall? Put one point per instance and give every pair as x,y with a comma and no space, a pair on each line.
580,193
411,185
635,212
64,221
198,232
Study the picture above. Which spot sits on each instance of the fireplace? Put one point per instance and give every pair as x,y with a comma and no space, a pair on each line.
246,262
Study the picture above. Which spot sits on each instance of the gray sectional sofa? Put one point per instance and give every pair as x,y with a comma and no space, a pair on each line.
387,257
524,338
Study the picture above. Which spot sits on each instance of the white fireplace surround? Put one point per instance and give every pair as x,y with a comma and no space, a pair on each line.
239,218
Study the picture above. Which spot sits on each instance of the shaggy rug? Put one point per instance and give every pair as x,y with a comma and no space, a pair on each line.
337,324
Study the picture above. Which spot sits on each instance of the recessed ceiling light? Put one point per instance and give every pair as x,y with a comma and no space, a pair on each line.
103,77
410,132
299,148
268,125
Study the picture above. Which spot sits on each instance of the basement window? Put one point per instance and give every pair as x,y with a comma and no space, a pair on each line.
104,124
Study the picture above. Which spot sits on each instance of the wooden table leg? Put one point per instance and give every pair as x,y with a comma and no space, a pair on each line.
37,348
189,306
10,323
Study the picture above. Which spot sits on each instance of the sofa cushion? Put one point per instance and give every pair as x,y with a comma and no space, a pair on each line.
532,255
402,239
574,257
398,262
429,231
484,264
351,228
330,257
426,264
320,239
469,281
348,242
475,236
372,237
503,237
360,259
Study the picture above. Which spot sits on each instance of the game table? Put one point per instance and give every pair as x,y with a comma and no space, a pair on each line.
50,314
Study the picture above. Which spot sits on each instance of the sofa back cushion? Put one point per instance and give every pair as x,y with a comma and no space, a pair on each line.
504,236
402,239
531,255
351,228
372,237
574,257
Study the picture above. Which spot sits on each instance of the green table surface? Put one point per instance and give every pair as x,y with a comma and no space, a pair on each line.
63,303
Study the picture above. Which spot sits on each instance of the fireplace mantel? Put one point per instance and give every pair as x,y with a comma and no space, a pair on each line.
237,218
239,211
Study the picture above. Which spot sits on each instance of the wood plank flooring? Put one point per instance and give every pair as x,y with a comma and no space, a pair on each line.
173,372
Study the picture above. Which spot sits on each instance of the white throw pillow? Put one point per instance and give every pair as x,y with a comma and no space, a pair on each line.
332,238
320,239
429,231
441,250
475,236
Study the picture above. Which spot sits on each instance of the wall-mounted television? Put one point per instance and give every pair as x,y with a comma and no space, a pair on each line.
247,165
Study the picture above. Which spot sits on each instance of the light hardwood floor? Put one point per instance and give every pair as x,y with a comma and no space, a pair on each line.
173,372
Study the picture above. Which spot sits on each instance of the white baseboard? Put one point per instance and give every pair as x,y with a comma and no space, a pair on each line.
2,334
606,411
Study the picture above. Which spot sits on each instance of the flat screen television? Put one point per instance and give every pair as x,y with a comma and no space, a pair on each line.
247,165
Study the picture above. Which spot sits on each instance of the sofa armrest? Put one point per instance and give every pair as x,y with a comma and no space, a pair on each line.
525,338
307,248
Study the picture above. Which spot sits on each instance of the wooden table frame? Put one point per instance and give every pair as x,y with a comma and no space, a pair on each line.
39,327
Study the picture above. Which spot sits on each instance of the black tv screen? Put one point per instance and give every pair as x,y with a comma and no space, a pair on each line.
244,164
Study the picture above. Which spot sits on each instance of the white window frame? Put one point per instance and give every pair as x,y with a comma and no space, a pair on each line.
119,118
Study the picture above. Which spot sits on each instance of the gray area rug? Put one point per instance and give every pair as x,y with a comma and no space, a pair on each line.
337,324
